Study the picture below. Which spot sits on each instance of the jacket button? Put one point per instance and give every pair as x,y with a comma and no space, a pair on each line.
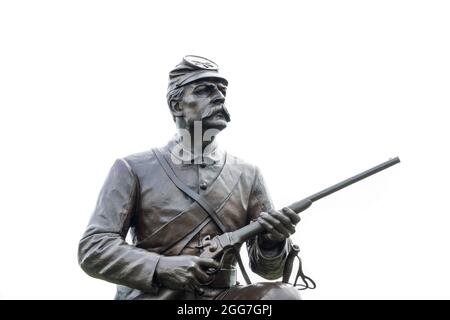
203,185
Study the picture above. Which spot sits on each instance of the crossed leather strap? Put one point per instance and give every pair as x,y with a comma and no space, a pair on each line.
201,201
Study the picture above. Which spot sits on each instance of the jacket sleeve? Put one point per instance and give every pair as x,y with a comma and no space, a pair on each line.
103,252
266,261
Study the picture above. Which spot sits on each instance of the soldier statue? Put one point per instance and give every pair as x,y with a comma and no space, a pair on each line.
160,196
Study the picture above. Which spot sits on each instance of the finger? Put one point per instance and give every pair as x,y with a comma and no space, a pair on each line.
208,263
193,284
189,287
265,224
201,275
276,224
295,218
271,230
285,220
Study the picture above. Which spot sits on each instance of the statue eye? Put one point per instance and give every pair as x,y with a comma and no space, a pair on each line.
201,90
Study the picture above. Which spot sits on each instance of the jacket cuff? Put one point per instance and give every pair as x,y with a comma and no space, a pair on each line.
275,252
153,284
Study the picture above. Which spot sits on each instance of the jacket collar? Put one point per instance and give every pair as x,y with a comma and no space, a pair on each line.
182,154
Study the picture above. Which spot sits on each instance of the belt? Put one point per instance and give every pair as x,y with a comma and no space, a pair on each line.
224,278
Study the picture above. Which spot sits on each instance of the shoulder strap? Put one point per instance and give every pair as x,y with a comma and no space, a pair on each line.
183,187
202,202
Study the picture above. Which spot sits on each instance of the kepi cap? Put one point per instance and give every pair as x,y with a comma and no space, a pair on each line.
193,68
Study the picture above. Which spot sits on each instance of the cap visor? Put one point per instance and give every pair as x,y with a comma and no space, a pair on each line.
202,75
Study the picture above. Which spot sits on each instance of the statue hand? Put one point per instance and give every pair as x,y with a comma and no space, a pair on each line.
279,224
184,272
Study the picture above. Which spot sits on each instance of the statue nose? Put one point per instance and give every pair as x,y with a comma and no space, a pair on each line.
219,100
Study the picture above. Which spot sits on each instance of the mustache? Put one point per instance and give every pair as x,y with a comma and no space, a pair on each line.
215,110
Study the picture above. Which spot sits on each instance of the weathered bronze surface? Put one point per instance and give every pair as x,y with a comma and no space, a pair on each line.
173,197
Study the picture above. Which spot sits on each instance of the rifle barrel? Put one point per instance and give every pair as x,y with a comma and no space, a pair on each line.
305,203
352,180
250,230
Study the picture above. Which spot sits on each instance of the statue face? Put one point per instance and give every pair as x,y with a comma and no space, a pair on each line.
204,101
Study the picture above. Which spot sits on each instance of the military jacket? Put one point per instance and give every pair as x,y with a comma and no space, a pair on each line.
139,198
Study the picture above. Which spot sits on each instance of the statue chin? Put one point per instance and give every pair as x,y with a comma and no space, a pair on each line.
218,125
217,122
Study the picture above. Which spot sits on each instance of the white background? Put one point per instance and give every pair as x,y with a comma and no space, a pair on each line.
319,91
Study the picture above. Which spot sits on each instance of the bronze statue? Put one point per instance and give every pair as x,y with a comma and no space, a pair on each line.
167,224
190,205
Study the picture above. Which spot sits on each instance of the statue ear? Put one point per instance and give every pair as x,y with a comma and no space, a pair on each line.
176,109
